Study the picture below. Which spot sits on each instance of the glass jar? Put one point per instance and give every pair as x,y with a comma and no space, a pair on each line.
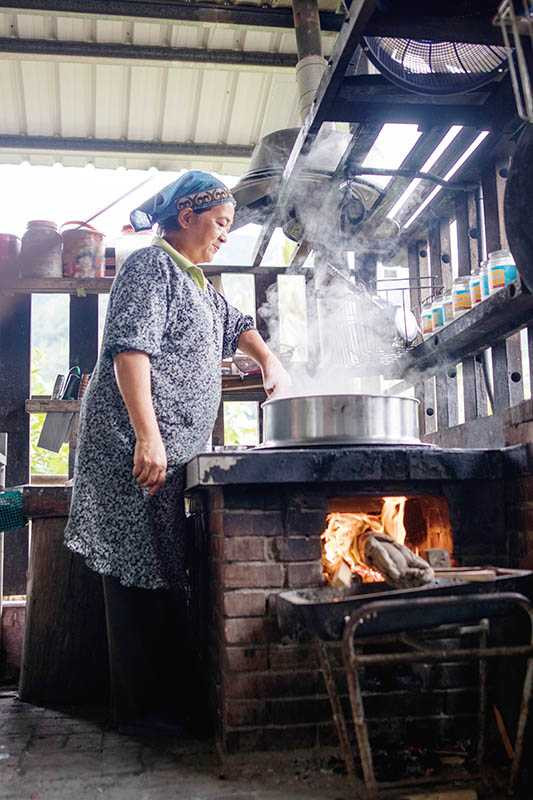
484,280
41,251
475,289
427,318
437,313
447,307
461,294
502,269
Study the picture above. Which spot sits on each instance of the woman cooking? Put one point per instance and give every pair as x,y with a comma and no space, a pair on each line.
150,407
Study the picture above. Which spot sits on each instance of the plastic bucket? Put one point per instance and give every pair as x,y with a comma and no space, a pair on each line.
83,251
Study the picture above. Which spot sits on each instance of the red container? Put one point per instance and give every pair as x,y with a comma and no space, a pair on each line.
9,252
83,251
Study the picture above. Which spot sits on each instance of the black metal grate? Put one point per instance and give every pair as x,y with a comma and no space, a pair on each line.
436,67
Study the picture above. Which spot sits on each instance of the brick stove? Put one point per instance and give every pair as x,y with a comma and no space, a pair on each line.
256,519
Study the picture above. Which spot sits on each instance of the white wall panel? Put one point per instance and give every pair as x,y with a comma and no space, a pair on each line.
77,99
41,97
111,100
249,101
145,102
214,100
12,117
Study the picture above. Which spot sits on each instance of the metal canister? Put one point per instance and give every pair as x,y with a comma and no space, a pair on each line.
40,254
83,251
9,252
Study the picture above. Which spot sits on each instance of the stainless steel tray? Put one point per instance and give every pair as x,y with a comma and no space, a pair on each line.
349,419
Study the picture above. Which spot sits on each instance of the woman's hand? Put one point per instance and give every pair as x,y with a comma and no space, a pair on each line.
276,379
150,463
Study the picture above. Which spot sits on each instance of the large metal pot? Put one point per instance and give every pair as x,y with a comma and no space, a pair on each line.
346,419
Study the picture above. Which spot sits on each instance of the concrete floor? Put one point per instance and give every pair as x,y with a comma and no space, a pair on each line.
49,755
53,755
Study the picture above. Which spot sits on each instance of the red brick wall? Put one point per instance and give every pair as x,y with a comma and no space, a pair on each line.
270,693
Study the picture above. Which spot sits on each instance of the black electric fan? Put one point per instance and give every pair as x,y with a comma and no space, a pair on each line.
436,68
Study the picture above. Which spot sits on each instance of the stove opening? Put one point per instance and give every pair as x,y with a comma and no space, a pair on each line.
356,545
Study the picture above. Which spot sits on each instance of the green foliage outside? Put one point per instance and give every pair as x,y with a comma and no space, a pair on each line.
240,423
43,462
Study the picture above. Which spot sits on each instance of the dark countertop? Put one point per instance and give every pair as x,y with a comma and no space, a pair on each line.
343,464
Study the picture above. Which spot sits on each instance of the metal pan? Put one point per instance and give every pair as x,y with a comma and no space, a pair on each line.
347,419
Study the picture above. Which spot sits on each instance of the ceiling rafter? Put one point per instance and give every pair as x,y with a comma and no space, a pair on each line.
114,50
79,144
263,16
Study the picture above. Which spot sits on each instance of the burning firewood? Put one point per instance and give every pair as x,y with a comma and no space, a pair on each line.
371,548
399,565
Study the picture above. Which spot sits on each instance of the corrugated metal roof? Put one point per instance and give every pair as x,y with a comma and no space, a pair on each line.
143,100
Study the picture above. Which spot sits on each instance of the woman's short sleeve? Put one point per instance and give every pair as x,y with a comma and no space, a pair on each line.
138,305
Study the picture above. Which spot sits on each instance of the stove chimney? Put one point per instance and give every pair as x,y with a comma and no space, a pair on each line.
311,64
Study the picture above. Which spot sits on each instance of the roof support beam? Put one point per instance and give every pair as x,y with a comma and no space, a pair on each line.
196,55
343,53
437,29
78,144
250,16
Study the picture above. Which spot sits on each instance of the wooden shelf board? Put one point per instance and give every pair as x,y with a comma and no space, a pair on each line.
43,406
57,286
483,326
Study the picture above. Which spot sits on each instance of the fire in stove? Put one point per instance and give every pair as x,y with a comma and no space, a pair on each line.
392,539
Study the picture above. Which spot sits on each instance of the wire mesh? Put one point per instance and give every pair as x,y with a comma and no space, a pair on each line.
368,325
436,67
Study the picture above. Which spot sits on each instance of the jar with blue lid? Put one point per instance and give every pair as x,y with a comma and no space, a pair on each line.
502,269
427,318
475,289
437,313
461,295
484,280
447,307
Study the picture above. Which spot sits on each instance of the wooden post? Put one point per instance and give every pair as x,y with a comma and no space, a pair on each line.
514,367
473,225
500,372
15,367
443,413
469,389
490,209
435,254
445,246
83,346
420,394
414,278
65,651
463,244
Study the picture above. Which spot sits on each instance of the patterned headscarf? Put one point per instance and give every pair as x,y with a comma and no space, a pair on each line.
197,190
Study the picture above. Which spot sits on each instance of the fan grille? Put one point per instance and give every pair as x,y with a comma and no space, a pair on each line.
436,67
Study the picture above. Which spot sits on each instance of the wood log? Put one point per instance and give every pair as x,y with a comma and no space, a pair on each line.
399,566
65,653
46,501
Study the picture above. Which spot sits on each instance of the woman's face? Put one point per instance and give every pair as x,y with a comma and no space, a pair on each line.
206,232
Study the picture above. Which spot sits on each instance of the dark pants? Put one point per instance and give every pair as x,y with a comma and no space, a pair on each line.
149,655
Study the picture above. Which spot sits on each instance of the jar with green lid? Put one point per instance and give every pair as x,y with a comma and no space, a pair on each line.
475,289
447,307
461,295
427,318
437,313
484,280
502,269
